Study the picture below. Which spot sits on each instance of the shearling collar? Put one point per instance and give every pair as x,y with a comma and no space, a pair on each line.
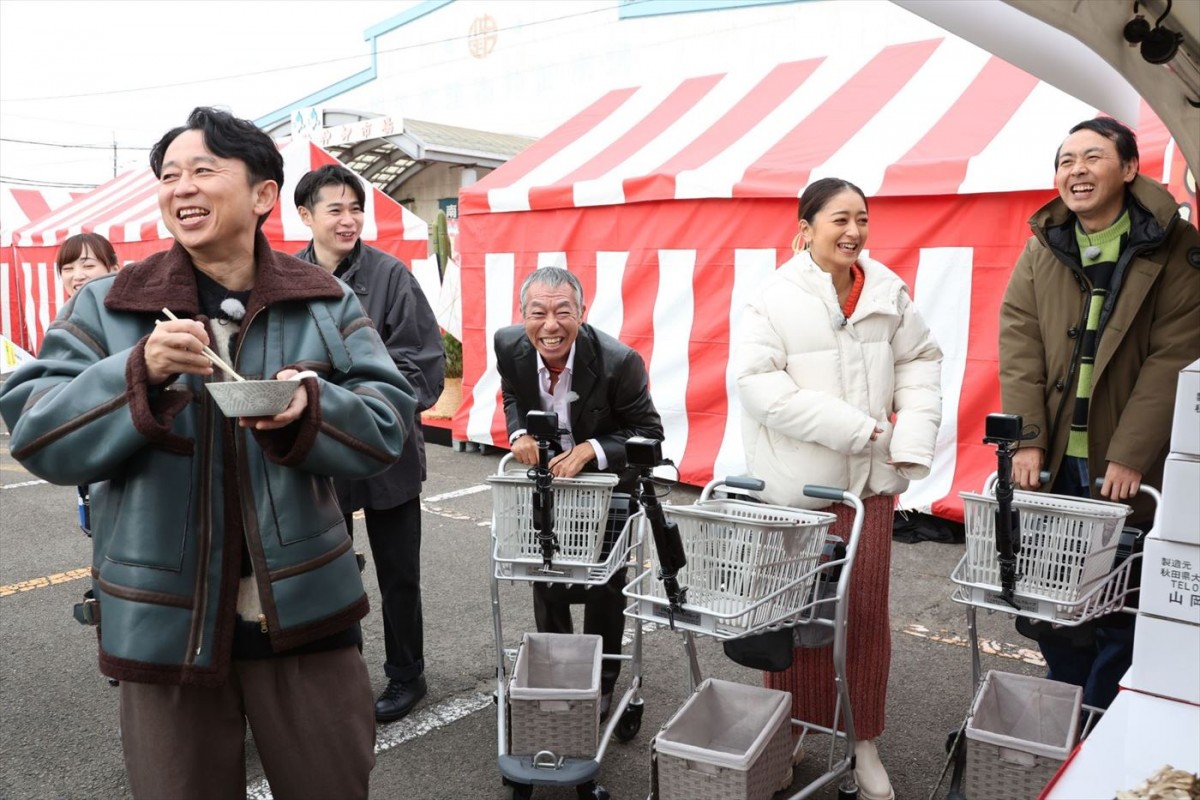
167,280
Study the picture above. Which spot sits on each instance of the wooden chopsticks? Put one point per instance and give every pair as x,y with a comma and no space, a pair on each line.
209,354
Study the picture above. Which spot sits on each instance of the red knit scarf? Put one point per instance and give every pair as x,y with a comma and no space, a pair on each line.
859,277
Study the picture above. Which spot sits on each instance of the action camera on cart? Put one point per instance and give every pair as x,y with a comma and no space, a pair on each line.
542,425
643,453
1003,429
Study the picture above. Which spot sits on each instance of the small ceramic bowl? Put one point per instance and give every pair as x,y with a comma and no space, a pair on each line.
254,398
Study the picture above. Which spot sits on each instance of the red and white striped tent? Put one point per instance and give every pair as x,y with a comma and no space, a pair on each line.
20,206
673,202
125,211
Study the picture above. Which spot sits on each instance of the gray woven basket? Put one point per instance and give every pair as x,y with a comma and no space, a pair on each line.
992,775
554,695
1021,730
729,741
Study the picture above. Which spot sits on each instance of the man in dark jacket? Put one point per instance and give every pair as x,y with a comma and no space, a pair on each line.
225,587
598,387
331,202
1098,319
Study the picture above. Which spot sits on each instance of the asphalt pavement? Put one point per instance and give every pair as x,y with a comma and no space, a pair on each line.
59,735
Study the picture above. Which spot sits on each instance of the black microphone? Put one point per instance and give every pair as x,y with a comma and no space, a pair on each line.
844,322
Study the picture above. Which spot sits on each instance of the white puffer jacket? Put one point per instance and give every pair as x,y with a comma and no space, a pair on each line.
814,385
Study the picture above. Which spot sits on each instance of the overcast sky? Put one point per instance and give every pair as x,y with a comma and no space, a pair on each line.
87,72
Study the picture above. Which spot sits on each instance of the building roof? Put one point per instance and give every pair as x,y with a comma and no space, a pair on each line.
388,150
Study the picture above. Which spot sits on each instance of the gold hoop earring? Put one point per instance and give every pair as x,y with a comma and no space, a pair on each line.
796,244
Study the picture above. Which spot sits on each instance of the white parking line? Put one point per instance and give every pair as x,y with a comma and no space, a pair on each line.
22,484
427,503
396,733
483,487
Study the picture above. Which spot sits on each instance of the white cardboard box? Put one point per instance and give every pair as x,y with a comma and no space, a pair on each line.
1185,431
1171,581
1166,659
1134,738
1179,518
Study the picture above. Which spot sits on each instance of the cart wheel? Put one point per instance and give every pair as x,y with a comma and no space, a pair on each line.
591,791
630,722
848,794
518,791
951,738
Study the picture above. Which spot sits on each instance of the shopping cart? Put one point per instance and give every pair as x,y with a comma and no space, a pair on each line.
572,544
752,568
1071,561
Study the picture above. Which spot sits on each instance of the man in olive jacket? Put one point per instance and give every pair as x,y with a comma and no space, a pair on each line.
227,588
1099,317
330,201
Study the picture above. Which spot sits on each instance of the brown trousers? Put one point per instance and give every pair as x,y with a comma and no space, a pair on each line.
312,717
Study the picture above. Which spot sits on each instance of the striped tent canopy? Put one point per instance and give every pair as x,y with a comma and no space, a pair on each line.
20,206
672,202
125,211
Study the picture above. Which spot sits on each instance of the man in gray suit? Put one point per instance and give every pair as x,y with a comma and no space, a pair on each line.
331,200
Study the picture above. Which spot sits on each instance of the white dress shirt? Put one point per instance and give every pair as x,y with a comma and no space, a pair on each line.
559,401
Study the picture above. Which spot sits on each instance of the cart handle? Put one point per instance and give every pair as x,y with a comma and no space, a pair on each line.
744,482
1142,489
757,484
825,492
989,486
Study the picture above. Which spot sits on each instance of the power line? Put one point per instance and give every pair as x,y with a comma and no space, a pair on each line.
75,146
273,70
46,184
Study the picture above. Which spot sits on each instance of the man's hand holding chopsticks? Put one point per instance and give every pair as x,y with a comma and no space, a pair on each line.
176,347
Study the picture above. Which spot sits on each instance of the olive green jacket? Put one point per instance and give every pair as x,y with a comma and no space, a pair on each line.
1149,330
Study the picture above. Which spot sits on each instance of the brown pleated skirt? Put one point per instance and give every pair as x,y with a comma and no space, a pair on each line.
810,679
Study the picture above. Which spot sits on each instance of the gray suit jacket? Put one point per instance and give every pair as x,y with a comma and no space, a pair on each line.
392,298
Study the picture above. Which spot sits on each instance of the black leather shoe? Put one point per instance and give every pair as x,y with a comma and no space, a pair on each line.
605,705
399,698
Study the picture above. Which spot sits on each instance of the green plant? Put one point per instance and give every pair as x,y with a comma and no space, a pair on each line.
441,242
453,349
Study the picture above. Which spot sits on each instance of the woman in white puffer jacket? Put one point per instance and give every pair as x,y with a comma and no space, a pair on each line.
839,379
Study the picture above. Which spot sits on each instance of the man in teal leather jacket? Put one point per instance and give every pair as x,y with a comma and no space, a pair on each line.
227,587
